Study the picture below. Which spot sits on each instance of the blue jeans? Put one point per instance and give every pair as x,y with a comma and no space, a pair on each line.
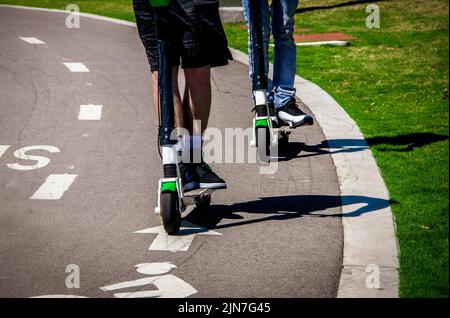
282,14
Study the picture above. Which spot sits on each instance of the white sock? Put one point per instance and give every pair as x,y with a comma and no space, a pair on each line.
179,145
192,148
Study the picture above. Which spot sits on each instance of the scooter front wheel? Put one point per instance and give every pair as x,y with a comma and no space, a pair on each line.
263,143
170,212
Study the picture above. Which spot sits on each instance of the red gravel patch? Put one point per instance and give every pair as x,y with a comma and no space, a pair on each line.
314,37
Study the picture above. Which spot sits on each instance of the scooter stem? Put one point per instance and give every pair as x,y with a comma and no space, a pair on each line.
259,81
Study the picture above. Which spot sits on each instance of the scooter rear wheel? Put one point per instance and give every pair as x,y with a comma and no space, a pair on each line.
203,201
284,139
170,212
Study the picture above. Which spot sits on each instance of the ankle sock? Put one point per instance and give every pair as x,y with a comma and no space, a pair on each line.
192,148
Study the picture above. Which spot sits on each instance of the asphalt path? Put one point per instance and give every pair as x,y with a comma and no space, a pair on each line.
267,235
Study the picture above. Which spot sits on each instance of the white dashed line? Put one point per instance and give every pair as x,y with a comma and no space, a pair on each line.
32,40
90,112
76,67
54,187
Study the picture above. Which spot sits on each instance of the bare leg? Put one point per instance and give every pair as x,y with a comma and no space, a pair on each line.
198,83
187,112
199,96
178,106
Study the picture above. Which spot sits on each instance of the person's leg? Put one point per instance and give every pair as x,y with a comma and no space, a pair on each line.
284,63
145,21
198,101
203,46
198,83
186,109
288,112
197,97
178,105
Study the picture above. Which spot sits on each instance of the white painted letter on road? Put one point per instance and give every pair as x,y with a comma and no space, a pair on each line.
41,161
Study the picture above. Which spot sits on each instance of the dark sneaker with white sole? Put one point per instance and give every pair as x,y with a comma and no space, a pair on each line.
207,178
293,116
189,177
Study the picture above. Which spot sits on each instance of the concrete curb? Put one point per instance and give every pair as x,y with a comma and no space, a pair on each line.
370,245
227,14
81,14
232,14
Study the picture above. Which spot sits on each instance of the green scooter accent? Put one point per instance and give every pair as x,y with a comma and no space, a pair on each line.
169,186
261,123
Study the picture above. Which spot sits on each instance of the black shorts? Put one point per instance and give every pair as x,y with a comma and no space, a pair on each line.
197,35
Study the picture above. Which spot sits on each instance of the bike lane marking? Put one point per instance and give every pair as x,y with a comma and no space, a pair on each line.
76,67
31,40
175,243
90,112
54,187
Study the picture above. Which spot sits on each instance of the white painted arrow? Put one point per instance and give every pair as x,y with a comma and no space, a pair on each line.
175,243
168,286
3,149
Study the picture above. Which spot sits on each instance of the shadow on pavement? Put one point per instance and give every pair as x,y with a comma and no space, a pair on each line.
405,142
402,143
283,208
294,150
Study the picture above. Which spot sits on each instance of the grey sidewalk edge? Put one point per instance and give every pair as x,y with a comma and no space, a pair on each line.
231,14
227,14
370,243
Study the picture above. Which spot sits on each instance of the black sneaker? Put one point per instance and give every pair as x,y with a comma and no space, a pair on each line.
207,178
189,177
292,115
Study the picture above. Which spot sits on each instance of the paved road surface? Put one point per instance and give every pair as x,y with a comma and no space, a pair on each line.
276,235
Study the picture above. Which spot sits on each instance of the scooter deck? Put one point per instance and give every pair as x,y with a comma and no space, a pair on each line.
192,197
198,192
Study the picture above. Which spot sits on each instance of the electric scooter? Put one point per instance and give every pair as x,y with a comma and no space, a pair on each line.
267,133
172,200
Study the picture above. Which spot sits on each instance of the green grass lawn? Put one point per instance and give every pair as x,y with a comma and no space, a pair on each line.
393,82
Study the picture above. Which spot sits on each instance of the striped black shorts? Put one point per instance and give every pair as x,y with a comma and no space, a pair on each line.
197,35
